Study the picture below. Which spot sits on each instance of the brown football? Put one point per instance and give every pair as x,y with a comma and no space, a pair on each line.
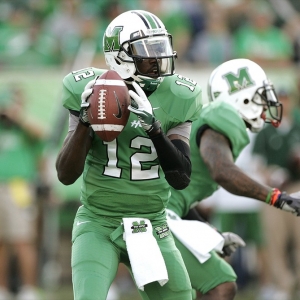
108,111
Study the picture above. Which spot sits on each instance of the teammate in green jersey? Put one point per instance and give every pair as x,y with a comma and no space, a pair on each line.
241,98
126,182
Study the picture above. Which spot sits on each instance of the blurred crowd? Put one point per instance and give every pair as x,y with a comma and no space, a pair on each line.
52,33
65,33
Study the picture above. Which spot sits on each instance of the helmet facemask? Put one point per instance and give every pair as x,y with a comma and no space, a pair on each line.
152,56
272,112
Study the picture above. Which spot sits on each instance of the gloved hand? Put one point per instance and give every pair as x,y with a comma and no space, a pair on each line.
231,243
286,202
141,106
83,115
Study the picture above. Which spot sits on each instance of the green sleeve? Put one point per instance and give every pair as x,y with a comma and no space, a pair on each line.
178,97
74,84
223,118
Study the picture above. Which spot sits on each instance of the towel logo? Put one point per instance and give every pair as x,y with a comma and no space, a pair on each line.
162,231
139,227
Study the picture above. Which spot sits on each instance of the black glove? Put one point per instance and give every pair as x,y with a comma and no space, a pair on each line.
286,202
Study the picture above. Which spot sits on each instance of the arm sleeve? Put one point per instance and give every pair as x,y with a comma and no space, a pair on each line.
174,158
183,129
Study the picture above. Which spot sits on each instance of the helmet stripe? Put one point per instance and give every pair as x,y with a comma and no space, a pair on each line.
148,19
156,20
153,23
143,19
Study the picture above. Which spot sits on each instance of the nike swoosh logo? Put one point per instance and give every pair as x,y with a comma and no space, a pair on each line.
155,108
119,115
79,223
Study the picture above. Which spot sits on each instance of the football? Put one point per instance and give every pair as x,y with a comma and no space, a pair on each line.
108,111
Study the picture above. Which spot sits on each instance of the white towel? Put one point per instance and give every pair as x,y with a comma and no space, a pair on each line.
197,236
146,260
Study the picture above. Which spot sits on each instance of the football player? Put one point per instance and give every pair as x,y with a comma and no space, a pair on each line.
241,98
131,176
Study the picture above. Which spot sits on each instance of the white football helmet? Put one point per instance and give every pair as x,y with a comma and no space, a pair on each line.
135,36
243,84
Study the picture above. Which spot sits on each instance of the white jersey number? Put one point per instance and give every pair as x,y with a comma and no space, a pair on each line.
136,160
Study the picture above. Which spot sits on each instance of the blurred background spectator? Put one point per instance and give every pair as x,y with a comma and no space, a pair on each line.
42,40
21,172
23,41
213,45
260,40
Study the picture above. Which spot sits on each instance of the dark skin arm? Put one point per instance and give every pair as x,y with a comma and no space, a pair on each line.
71,158
216,153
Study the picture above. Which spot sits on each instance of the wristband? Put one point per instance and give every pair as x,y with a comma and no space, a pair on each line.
154,129
273,196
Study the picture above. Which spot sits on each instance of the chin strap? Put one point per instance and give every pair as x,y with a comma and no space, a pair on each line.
275,123
148,84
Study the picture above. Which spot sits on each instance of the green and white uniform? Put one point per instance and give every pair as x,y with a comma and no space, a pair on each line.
121,179
222,118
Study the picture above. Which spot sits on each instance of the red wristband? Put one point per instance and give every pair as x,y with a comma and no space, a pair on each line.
274,196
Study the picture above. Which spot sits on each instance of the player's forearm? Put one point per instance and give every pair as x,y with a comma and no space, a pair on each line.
238,183
71,159
216,152
174,160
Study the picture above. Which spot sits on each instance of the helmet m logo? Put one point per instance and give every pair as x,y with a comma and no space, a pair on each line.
238,81
112,39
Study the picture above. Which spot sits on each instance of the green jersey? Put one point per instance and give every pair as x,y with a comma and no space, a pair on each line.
123,177
223,118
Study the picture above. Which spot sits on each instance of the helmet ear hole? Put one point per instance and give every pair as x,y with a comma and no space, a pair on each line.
246,101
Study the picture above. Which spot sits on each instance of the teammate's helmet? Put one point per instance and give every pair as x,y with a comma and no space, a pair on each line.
136,36
243,84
